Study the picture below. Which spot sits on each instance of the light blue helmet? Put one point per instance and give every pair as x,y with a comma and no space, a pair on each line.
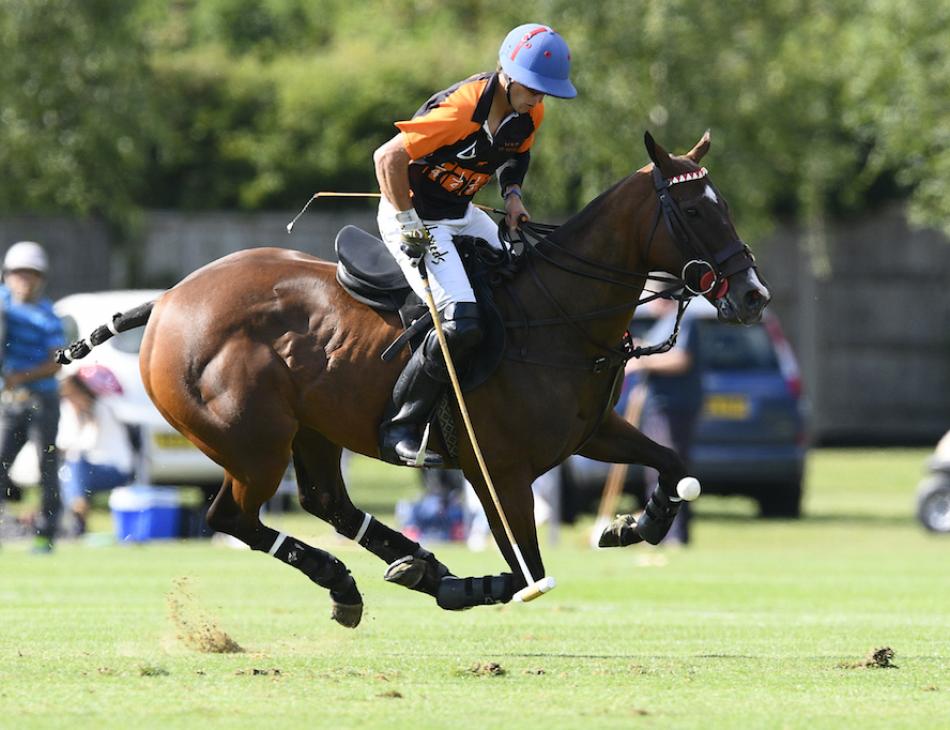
537,57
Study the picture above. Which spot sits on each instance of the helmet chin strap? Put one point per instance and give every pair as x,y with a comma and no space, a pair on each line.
508,91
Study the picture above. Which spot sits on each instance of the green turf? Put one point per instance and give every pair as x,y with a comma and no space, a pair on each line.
754,625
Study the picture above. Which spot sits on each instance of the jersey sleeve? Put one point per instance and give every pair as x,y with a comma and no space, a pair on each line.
442,125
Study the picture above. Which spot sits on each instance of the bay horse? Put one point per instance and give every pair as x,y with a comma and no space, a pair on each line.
262,357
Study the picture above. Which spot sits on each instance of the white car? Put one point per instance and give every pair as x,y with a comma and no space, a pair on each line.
164,455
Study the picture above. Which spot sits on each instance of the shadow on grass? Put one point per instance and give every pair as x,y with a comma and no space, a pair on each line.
828,518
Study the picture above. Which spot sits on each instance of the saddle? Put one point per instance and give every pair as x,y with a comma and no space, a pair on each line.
370,274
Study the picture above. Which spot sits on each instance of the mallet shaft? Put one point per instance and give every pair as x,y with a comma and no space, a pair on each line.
533,589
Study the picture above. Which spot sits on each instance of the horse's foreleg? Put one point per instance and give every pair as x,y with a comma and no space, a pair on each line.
323,494
242,521
517,503
617,441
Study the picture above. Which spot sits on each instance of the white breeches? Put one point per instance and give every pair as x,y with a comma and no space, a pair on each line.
447,277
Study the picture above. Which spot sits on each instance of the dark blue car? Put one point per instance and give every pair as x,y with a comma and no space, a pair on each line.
751,437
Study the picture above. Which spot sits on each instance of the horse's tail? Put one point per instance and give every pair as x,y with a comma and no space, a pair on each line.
121,321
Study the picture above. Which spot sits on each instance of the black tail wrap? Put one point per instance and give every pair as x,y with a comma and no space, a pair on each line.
121,321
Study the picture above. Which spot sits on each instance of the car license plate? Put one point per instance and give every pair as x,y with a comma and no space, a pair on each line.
171,440
726,407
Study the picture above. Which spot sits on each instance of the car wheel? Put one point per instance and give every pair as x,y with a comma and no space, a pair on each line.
781,499
933,504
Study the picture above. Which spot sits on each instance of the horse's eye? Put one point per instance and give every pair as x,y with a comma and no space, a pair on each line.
692,212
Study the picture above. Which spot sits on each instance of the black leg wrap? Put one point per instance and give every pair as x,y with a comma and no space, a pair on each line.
385,543
318,565
456,594
657,517
322,568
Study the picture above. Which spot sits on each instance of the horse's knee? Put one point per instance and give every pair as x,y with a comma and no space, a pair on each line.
331,508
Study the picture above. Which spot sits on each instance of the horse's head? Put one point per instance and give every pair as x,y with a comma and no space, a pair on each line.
698,241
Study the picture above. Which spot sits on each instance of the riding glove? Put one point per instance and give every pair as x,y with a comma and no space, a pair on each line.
415,237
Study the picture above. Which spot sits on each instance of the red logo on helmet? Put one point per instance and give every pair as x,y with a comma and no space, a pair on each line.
527,37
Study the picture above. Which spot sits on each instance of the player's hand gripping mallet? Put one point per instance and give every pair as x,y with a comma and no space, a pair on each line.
535,587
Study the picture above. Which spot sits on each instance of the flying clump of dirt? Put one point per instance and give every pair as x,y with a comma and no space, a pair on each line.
880,658
194,628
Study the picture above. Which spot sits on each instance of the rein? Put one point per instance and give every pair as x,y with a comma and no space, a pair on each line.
535,235
537,243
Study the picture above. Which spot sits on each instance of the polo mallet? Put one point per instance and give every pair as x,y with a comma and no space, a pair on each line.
613,485
535,587
332,194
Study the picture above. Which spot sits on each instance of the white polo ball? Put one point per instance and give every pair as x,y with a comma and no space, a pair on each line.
688,488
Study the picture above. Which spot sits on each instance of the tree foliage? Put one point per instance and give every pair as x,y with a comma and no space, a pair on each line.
817,108
75,118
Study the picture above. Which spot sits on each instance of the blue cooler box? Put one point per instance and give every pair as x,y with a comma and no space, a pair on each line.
142,512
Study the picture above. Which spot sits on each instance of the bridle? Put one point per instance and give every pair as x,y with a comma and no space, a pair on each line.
712,283
718,265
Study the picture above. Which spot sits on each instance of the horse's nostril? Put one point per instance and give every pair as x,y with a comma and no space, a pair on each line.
754,301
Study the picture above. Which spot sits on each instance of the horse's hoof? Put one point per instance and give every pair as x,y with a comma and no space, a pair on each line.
347,604
620,533
348,616
420,571
407,571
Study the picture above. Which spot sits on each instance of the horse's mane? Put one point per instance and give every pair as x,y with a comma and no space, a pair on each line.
583,218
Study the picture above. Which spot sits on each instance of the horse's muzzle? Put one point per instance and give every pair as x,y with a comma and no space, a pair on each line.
745,300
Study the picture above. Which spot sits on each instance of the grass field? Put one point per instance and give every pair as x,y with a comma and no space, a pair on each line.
756,624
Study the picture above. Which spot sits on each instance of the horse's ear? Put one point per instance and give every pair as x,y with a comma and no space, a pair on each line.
701,148
660,157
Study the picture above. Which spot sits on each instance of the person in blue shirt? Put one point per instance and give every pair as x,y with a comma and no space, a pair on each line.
674,395
29,396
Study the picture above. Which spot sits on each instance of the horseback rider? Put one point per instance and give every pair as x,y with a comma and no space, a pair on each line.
428,174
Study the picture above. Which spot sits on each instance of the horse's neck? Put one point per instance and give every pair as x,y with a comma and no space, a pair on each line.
612,232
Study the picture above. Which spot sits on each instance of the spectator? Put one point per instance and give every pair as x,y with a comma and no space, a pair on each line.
95,446
29,397
674,396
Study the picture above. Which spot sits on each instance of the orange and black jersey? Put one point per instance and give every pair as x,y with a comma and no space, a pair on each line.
454,155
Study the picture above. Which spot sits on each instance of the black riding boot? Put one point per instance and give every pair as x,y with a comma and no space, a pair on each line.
415,397
420,385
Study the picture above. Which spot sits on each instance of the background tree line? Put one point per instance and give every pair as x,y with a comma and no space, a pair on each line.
818,108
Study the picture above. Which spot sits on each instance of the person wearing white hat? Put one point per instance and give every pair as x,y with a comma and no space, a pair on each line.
29,393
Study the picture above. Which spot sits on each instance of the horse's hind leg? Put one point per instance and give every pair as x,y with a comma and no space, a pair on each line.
235,512
323,493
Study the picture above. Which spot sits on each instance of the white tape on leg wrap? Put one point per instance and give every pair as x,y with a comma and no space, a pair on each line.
111,327
367,518
277,543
